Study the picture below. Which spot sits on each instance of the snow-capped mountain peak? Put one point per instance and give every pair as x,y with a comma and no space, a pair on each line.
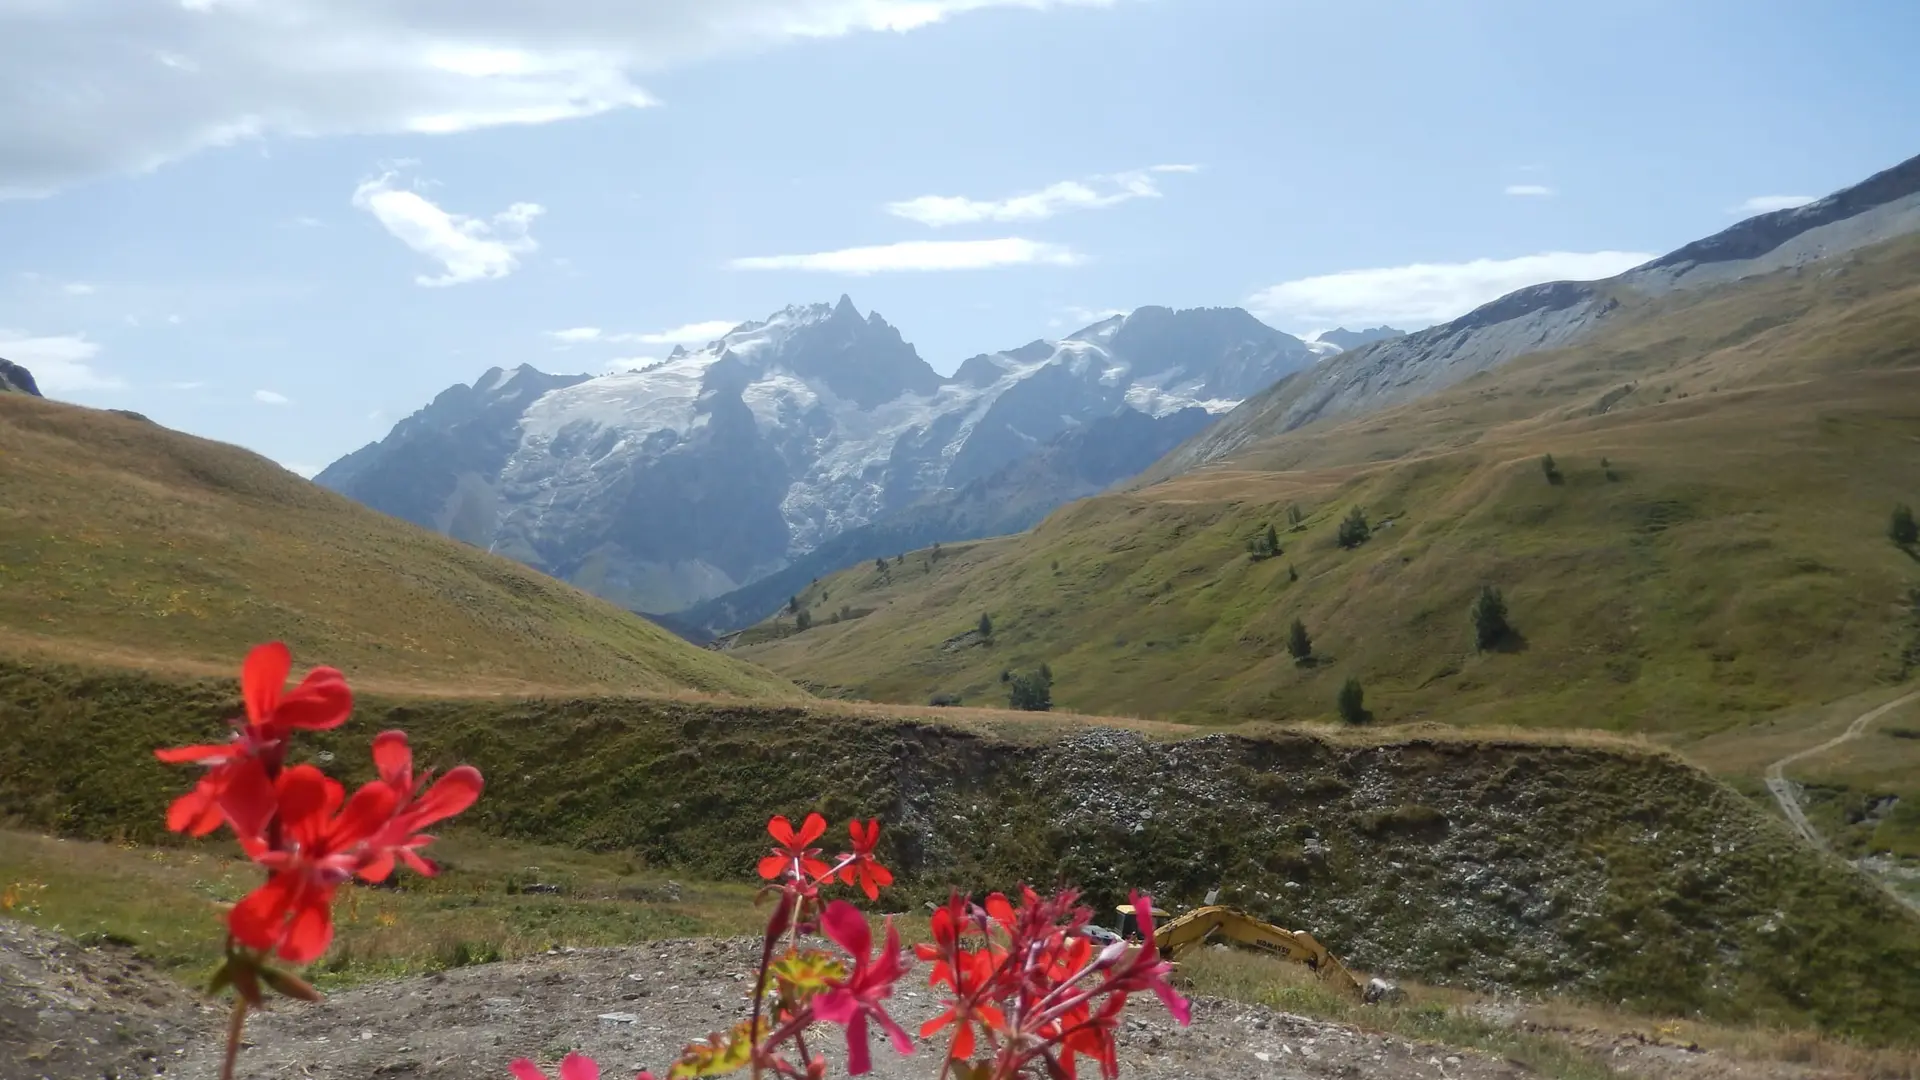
661,486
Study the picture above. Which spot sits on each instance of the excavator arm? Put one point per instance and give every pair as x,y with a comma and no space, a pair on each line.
1215,923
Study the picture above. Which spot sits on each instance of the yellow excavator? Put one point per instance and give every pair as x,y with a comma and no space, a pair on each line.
1216,923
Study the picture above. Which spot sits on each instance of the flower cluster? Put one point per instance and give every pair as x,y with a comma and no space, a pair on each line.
1028,992
299,825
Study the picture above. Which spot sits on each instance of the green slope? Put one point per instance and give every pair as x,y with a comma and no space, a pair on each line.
127,543
1717,549
1602,870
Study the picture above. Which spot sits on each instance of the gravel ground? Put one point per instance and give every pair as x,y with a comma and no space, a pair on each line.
69,1012
635,1007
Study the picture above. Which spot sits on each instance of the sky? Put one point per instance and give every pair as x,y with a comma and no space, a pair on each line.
289,223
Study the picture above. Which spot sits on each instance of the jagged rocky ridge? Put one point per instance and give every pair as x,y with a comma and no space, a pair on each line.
718,467
16,379
1555,314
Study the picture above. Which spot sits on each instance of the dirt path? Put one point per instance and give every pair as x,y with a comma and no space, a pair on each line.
1782,788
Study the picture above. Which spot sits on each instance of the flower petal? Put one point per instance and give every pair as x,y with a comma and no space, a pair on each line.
371,807
579,1067
256,921
312,928
262,678
859,1054
812,829
321,701
247,798
451,794
307,799
781,830
522,1069
198,811
848,928
394,759
179,755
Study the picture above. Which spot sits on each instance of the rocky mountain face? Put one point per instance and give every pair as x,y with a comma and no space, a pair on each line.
714,469
1352,339
16,379
1399,369
1081,461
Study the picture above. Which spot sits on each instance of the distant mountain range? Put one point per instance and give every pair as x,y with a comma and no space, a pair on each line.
793,445
1557,314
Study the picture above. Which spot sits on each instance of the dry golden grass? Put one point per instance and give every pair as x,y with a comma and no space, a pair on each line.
122,542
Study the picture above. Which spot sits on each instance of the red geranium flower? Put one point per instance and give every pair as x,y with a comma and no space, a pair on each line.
417,809
237,784
794,850
322,843
862,868
1145,970
858,998
572,1067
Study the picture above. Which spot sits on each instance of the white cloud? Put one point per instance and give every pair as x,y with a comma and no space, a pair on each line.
163,80
468,248
305,471
1094,193
698,333
61,363
1425,293
77,288
1537,191
1766,204
270,397
629,363
919,255
1088,316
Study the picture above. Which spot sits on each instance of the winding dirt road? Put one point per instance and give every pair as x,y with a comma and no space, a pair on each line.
1782,788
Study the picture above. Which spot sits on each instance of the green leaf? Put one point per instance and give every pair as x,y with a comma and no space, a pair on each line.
719,1054
806,973
287,984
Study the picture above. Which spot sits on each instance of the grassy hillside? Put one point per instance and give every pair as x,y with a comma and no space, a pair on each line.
1715,548
125,542
1601,869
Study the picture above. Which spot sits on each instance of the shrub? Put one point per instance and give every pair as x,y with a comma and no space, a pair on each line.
1490,626
986,625
1292,574
1901,526
1353,702
1552,470
1294,516
1031,691
1354,530
1299,645
804,620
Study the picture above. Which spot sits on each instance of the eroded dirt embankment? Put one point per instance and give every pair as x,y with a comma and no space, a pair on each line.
1623,875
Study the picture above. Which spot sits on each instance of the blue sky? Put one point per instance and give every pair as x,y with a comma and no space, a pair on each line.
287,223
